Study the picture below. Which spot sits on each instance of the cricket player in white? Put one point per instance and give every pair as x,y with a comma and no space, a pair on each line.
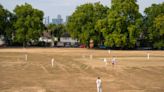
99,84
113,61
105,61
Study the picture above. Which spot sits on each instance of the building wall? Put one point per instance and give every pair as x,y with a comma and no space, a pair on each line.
63,40
57,20
68,39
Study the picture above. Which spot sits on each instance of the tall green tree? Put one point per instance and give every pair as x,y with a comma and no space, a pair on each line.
29,24
2,19
154,25
122,28
81,23
7,20
9,27
56,30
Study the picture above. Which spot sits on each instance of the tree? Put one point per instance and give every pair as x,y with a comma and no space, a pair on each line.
2,19
81,23
9,27
56,30
122,27
29,25
7,20
154,25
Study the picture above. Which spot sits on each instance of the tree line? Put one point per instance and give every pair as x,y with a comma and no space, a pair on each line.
25,25
120,26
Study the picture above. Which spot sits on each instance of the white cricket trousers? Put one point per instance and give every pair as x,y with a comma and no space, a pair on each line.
99,89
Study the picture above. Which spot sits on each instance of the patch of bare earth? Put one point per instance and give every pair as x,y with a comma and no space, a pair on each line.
75,71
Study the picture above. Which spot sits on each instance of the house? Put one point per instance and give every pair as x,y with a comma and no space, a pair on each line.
46,39
67,40
64,41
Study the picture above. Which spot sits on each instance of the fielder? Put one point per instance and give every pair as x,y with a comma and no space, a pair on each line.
113,61
105,61
99,84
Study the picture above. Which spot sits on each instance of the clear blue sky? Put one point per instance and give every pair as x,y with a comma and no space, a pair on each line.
65,7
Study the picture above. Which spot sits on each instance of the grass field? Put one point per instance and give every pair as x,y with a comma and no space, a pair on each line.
75,71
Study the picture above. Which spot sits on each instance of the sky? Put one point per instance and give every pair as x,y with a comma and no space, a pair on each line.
65,8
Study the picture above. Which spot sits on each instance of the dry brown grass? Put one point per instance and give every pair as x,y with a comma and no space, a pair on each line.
74,71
